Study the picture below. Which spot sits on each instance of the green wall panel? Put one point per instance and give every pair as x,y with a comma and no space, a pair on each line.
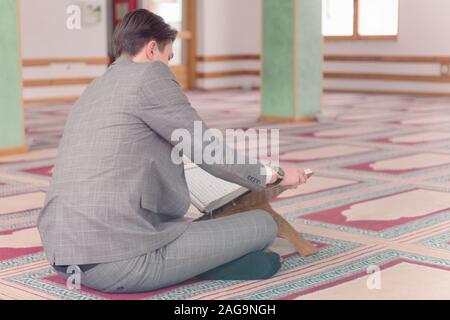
11,117
277,62
292,58
308,40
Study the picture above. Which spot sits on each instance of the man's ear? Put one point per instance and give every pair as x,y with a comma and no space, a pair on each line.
150,49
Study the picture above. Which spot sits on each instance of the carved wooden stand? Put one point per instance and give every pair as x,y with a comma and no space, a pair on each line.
260,200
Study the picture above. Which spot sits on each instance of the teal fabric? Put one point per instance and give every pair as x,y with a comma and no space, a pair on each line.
252,266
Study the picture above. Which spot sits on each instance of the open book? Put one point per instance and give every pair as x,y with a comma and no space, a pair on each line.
209,193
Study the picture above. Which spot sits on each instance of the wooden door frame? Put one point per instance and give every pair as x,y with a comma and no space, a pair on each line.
191,25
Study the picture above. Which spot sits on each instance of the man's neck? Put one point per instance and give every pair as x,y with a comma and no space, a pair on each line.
139,58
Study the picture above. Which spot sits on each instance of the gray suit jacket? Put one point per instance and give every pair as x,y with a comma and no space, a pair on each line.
115,192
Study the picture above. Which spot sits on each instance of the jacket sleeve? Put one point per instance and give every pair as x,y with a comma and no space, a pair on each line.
164,108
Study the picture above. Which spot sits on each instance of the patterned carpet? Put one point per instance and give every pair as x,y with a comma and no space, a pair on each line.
380,199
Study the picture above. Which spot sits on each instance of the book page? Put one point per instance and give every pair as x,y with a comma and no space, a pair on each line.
205,188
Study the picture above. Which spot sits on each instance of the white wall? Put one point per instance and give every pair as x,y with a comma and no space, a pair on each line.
44,22
45,35
233,27
423,31
228,27
225,27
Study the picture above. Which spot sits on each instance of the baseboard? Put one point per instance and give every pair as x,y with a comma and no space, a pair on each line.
56,82
389,92
228,74
51,100
304,119
221,89
48,61
13,150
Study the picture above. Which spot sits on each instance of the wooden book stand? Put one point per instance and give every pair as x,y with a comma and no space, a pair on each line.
260,200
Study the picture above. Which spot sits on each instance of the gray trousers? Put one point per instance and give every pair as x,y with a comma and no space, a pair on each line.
203,246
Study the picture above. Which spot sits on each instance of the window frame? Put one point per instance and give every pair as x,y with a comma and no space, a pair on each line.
357,37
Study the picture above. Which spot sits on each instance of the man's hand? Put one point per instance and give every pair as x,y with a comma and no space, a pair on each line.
293,177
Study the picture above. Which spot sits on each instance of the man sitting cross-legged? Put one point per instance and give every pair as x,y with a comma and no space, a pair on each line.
116,202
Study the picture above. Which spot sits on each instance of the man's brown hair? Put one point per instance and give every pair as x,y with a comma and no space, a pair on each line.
137,29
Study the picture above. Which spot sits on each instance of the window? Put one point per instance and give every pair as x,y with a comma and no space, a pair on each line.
360,19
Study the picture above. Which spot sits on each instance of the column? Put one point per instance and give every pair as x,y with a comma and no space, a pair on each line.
12,136
291,60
